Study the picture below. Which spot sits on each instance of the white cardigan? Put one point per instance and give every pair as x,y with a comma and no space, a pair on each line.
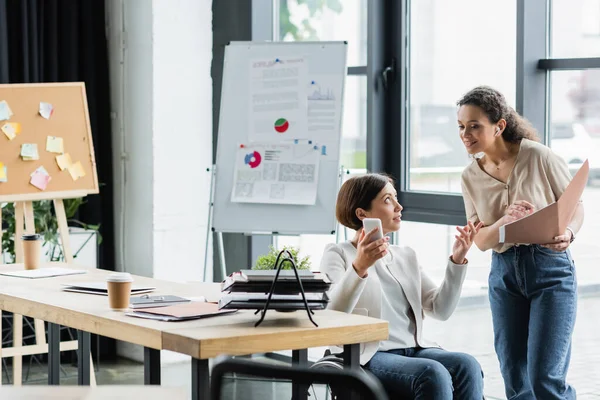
353,294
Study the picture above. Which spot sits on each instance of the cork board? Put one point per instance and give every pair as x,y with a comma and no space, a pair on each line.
69,120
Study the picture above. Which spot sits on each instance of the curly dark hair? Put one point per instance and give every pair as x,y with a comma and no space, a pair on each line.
494,105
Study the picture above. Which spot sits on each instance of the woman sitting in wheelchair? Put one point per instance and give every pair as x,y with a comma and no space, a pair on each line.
372,277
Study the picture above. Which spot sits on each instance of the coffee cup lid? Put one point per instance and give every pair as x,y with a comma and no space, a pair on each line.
120,277
31,236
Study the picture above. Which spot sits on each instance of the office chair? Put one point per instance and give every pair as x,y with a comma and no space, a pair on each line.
357,383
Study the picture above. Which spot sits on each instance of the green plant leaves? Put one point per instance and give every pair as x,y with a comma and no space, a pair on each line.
45,223
268,260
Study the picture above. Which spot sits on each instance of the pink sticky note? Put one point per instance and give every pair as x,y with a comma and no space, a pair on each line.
40,180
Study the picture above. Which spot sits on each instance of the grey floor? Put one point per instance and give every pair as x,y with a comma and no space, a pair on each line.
457,334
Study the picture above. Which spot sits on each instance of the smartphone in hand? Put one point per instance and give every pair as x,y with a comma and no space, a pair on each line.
371,223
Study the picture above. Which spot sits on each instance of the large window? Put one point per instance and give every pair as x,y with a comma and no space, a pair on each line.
575,138
575,28
452,49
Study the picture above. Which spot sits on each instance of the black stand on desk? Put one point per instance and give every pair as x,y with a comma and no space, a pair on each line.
289,258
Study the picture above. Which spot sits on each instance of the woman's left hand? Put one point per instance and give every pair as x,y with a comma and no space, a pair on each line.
463,242
561,242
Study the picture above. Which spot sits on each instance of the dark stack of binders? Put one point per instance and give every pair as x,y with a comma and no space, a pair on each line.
249,289
277,289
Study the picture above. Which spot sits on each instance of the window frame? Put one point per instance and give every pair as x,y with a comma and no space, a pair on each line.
531,85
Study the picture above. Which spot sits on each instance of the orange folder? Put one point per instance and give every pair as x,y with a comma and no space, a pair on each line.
543,225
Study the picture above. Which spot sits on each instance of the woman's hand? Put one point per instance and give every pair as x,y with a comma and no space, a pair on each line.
463,241
561,242
369,252
517,210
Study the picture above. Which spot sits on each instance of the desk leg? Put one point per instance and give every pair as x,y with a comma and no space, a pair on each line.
300,359
352,361
84,344
200,380
53,354
151,366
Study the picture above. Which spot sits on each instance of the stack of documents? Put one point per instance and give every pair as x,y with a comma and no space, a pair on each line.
249,289
101,288
260,281
181,312
253,301
147,301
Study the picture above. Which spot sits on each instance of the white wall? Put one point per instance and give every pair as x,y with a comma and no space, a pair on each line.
160,54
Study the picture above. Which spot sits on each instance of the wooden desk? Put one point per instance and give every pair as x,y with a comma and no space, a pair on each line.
201,339
120,392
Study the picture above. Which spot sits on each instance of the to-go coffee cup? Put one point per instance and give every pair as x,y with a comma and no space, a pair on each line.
119,290
32,250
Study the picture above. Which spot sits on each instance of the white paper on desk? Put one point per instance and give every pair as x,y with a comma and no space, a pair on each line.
277,99
276,174
101,288
44,272
156,317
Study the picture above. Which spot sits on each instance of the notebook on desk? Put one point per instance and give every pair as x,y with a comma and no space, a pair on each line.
181,312
147,301
100,288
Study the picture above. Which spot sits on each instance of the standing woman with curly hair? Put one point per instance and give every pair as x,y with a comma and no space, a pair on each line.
532,288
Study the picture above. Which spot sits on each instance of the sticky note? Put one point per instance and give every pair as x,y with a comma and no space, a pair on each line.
11,129
64,161
76,171
46,110
3,173
55,145
40,180
29,151
5,111
40,170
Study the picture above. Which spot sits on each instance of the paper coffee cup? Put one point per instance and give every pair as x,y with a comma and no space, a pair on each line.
32,250
119,290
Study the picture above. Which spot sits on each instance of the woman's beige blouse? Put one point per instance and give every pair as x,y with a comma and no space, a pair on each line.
539,176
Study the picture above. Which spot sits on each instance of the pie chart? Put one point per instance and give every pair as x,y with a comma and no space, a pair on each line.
282,125
253,159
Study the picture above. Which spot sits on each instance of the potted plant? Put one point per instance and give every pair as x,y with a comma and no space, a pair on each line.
45,224
267,261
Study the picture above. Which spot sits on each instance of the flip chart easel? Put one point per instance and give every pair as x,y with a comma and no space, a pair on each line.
323,91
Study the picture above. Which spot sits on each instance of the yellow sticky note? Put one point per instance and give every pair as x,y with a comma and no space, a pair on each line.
3,176
11,129
55,145
64,161
76,171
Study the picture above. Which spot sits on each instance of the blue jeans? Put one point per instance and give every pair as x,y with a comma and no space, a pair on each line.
533,297
432,374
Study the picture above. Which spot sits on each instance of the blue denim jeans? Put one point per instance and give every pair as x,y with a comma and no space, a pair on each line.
533,297
432,374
